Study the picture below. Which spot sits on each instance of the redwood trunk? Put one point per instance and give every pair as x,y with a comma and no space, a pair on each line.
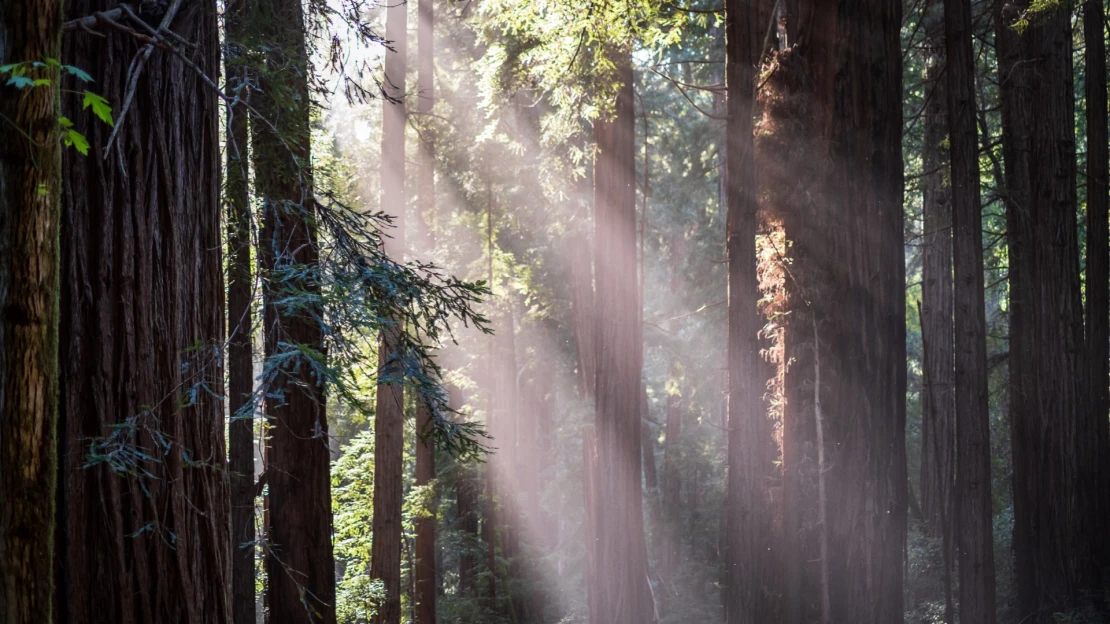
142,322
1053,523
385,552
750,579
1098,256
300,568
240,358
937,424
622,592
849,311
973,449
425,525
30,215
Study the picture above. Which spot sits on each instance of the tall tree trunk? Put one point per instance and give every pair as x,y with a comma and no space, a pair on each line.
385,553
425,583
300,568
240,357
846,224
142,322
1098,255
750,554
623,594
425,525
973,448
30,215
937,426
1053,527
583,306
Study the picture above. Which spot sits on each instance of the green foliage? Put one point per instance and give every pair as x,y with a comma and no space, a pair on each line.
100,107
23,76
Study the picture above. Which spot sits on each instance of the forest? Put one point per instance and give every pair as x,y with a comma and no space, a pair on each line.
554,312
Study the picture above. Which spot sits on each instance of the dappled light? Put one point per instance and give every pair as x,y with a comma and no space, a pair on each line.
554,312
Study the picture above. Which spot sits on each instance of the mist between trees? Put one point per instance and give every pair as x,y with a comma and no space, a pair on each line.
516,312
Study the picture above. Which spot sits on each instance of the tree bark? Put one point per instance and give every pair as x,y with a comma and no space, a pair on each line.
30,215
142,321
847,234
937,426
750,578
425,525
240,352
385,553
623,594
300,568
1098,256
973,449
583,306
1053,528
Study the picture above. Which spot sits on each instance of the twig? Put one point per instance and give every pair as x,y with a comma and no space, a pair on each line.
91,20
137,65
687,96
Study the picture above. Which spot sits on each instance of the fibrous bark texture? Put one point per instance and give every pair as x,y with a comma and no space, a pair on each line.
30,215
620,552
300,568
973,450
240,352
839,104
142,323
1098,256
389,430
1053,525
938,442
751,553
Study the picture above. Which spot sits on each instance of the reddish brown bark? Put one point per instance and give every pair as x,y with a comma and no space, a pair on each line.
1052,521
30,215
582,304
972,495
385,554
622,591
240,356
142,316
751,554
300,568
937,426
425,585
841,107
